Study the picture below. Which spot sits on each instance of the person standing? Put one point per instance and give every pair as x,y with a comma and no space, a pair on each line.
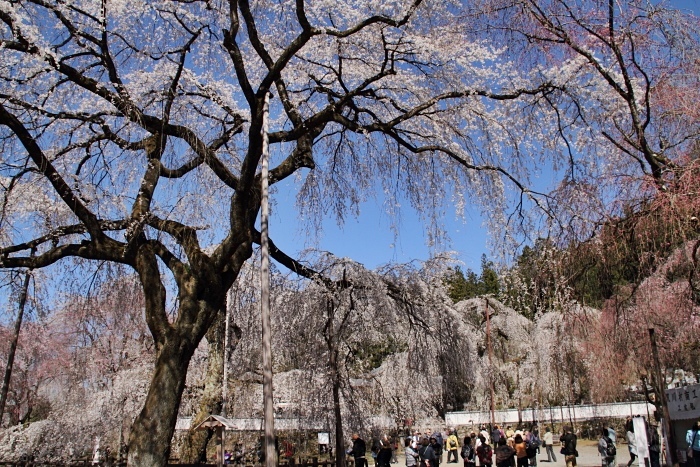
384,452
504,453
452,447
692,437
606,448
568,442
485,433
484,452
437,449
439,441
426,453
358,450
612,434
533,443
468,452
631,441
654,445
415,444
411,454
520,451
548,441
495,435
394,449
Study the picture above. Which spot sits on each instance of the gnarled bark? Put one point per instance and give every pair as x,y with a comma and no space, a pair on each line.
151,432
194,448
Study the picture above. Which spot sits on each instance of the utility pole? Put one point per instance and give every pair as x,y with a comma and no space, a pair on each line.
13,345
270,452
671,457
490,350
224,386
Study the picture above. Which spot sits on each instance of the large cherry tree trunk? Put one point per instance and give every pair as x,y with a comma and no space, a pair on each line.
151,432
194,446
202,298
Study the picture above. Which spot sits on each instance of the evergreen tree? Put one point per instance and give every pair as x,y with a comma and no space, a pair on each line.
463,286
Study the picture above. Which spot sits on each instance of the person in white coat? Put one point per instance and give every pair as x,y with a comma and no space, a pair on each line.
631,441
548,440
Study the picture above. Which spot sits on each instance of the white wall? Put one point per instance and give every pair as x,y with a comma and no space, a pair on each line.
549,414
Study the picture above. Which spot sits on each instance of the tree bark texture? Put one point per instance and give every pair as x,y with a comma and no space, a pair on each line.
194,449
202,296
151,432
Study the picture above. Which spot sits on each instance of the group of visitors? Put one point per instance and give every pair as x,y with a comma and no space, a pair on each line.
513,448
520,448
517,448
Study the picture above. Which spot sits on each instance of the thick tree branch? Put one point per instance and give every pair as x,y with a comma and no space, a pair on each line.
50,172
235,53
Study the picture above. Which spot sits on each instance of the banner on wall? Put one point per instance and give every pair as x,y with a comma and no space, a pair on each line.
684,402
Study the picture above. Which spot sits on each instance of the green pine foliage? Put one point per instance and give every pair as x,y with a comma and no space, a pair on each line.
465,285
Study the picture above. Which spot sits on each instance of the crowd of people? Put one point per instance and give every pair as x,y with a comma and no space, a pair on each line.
511,448
504,447
516,448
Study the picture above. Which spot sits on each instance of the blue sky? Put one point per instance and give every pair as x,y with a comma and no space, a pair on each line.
369,239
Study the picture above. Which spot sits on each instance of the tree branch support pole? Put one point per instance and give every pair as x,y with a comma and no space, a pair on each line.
671,456
224,385
270,452
13,345
492,403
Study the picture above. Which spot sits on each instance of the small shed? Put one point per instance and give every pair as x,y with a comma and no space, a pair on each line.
218,424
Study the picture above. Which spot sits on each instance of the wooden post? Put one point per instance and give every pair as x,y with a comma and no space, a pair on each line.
219,446
671,455
13,344
269,448
492,404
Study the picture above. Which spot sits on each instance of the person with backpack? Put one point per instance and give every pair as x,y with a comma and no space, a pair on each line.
440,440
426,454
568,443
437,449
607,449
452,447
533,443
484,452
468,452
505,455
